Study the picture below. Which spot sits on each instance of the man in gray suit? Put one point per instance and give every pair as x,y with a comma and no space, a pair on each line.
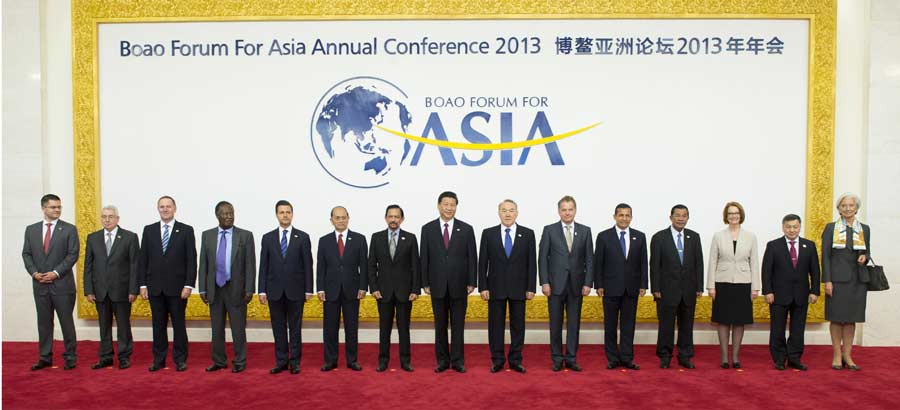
566,269
50,252
227,281
110,282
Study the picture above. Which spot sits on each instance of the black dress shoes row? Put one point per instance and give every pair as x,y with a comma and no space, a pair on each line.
459,368
573,366
441,367
102,363
797,365
238,368
686,363
278,369
41,364
124,364
216,367
631,365
517,367
180,367
155,367
354,366
327,367
496,368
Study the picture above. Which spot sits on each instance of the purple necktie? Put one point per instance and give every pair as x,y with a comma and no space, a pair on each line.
221,272
446,237
793,255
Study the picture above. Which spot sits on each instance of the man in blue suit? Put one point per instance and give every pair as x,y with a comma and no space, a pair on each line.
620,277
341,280
285,284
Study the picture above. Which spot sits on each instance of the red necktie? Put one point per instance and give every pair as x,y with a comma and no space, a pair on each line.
47,239
446,237
341,245
793,255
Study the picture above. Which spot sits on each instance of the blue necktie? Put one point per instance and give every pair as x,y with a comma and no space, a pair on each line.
221,272
680,248
284,243
165,240
507,243
622,243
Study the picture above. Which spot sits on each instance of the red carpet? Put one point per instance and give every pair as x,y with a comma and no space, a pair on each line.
758,385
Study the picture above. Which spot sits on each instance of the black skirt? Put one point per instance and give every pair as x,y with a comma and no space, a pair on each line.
733,305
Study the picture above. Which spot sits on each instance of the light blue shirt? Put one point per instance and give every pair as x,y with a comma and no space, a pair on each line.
228,238
397,232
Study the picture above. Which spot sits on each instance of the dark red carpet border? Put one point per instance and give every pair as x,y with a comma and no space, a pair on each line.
758,385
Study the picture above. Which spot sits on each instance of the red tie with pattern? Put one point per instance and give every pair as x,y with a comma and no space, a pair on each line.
793,255
341,245
47,239
446,237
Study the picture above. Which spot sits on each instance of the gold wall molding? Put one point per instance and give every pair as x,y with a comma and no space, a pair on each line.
88,14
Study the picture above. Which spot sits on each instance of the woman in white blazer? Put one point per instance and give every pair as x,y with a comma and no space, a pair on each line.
733,281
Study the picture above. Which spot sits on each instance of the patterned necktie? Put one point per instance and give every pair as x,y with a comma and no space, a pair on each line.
341,245
221,254
569,237
165,239
393,244
446,236
47,238
284,243
680,246
622,243
507,243
793,255
108,242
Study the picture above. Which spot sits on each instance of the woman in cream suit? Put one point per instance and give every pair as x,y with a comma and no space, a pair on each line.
733,281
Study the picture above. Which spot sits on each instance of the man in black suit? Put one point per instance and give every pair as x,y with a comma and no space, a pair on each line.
449,275
285,284
676,280
566,268
341,280
167,272
50,251
110,282
620,277
227,278
790,281
395,282
507,272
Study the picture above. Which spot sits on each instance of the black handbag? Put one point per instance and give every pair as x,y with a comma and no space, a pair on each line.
877,280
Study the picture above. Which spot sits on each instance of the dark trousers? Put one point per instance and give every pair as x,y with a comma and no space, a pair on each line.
619,311
234,307
63,305
792,348
570,304
286,316
497,329
386,310
453,311
665,339
348,305
163,308
106,309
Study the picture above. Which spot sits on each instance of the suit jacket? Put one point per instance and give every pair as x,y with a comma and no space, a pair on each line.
507,277
348,273
114,275
781,278
560,268
676,281
61,257
837,270
243,264
290,276
733,266
448,271
395,277
167,273
613,272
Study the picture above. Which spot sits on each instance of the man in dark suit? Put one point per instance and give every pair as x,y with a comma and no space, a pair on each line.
620,277
110,282
676,280
507,272
167,272
449,275
285,284
341,280
566,268
395,282
50,251
790,281
227,279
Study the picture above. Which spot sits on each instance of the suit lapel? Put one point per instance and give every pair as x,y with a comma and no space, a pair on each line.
234,246
57,229
401,240
115,244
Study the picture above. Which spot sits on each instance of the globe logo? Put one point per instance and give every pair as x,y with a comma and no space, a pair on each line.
344,135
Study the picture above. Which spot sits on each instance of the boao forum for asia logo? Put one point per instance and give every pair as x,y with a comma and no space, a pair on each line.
360,132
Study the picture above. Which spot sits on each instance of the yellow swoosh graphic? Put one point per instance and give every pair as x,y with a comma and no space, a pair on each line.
491,146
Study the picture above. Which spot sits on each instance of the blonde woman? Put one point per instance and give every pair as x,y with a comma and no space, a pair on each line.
733,281
845,250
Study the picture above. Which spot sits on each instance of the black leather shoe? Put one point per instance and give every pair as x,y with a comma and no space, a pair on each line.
69,365
797,365
631,365
238,368
779,366
215,367
611,366
406,367
573,366
516,367
354,366
40,365
101,364
441,368
156,367
664,364
328,367
557,366
124,364
686,363
496,368
180,367
736,365
459,368
278,369
295,368
381,367
725,365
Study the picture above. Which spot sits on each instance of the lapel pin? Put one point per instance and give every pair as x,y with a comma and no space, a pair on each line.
634,238
576,234
402,238
457,229
804,245
687,236
120,237
349,238
176,231
296,236
519,235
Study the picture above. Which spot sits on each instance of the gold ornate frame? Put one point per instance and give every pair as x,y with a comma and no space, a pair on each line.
88,14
